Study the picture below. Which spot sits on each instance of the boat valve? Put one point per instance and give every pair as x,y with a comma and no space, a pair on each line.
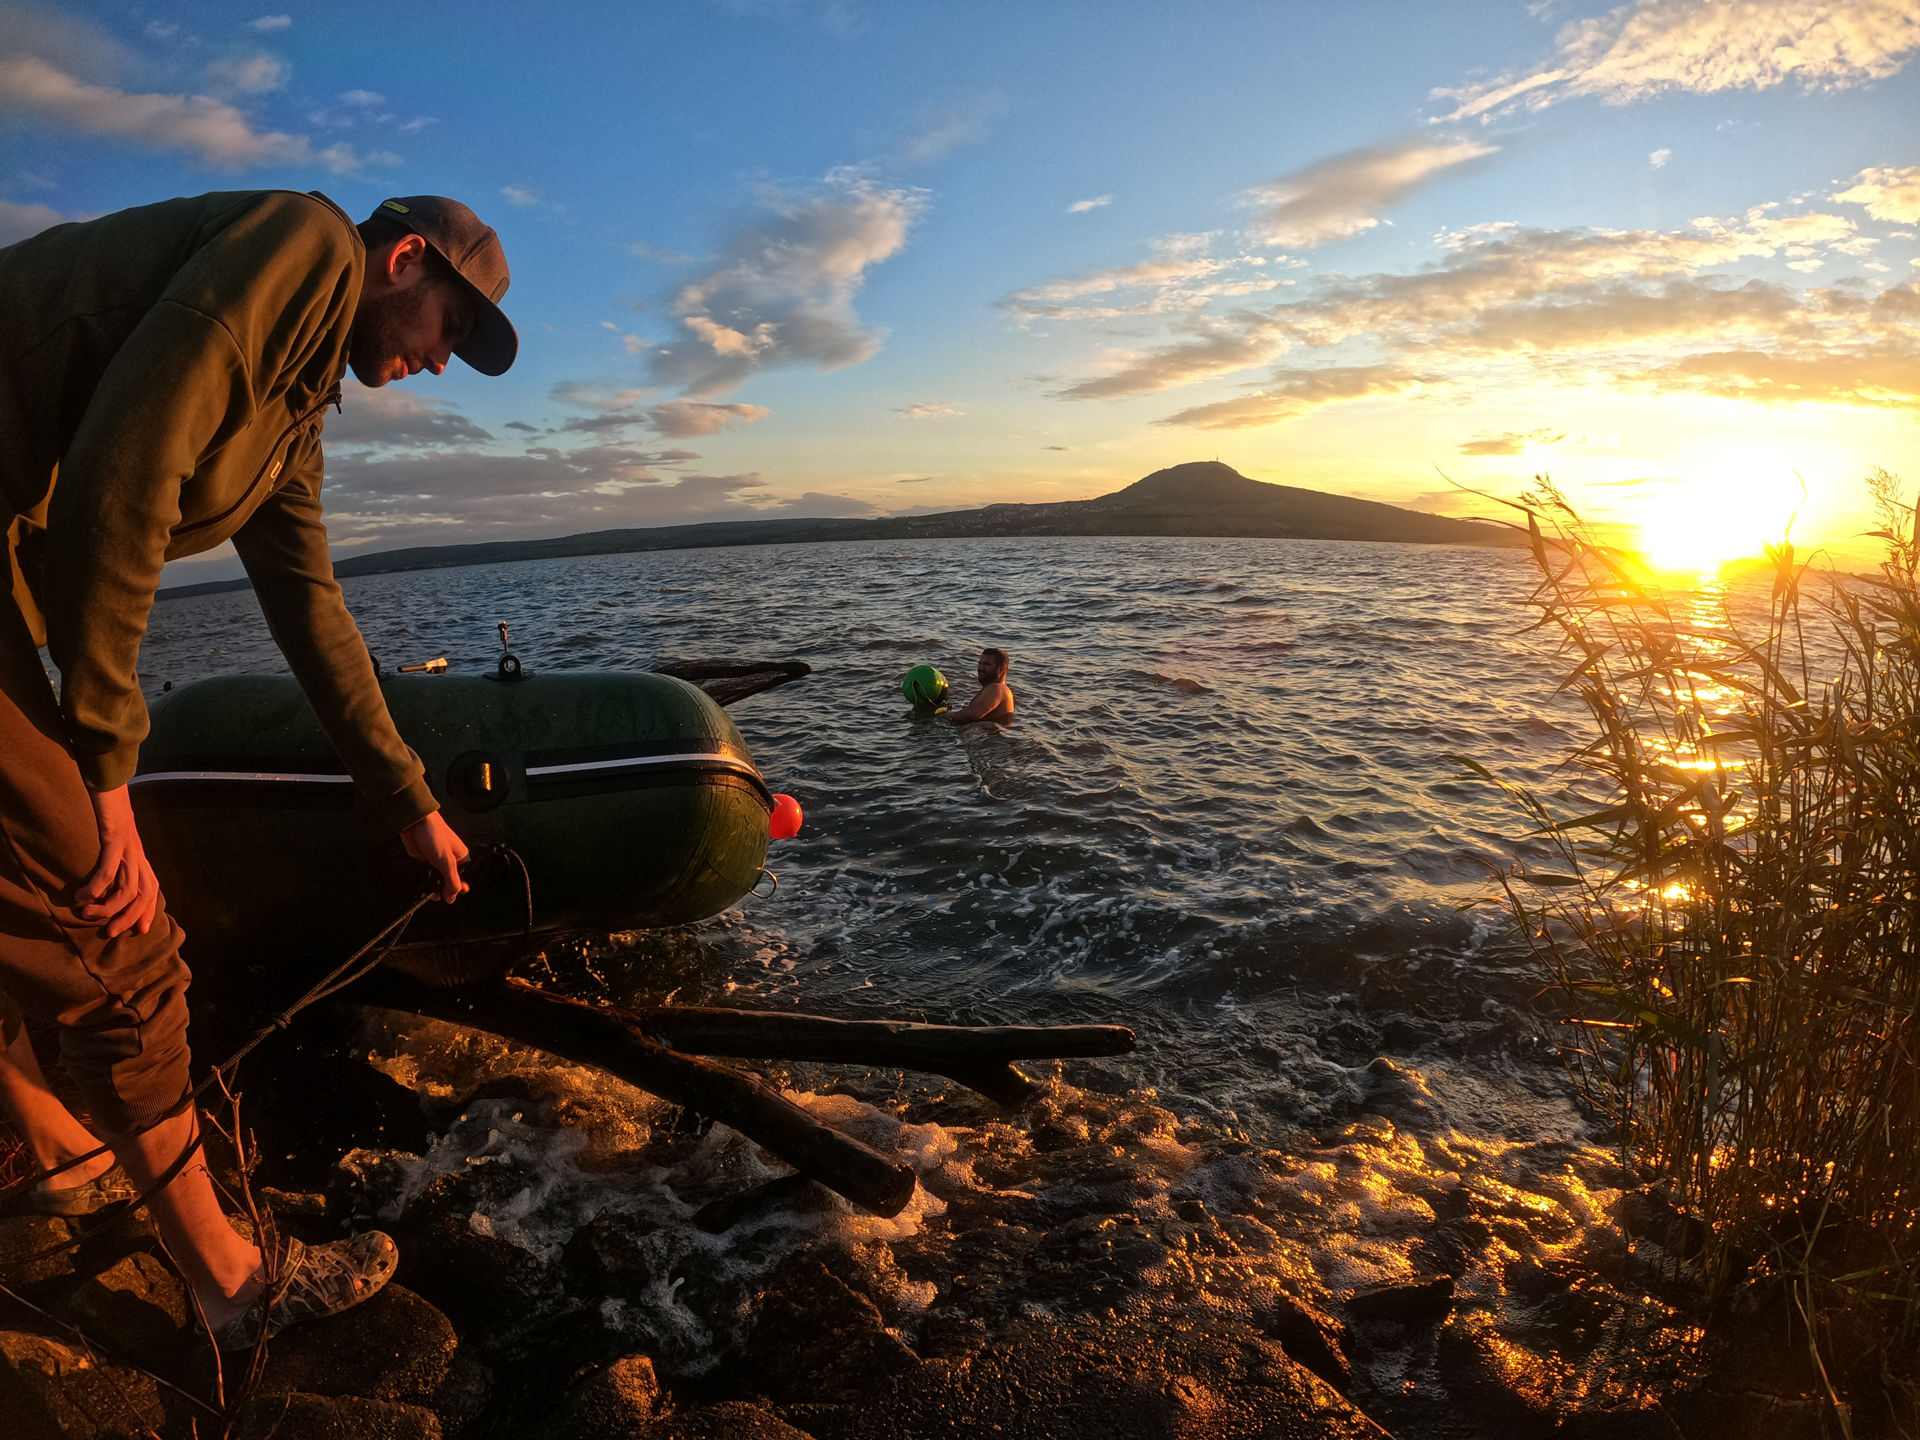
509,666
435,666
478,780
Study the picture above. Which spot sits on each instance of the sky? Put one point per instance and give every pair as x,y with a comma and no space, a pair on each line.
864,257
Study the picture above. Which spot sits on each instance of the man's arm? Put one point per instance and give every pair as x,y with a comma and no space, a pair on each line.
978,708
253,305
284,549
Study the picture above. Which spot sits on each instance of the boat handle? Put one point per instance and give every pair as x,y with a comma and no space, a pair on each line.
765,874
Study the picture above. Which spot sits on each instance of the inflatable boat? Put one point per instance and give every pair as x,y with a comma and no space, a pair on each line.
610,801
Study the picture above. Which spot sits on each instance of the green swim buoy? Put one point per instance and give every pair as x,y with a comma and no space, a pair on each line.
924,687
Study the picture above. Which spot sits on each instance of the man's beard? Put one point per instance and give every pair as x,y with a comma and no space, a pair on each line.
376,337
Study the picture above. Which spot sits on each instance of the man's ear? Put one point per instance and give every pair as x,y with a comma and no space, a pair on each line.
404,262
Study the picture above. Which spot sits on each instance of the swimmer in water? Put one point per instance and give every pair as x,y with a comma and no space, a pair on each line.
995,700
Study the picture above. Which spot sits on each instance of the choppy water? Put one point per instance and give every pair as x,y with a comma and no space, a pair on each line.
1225,815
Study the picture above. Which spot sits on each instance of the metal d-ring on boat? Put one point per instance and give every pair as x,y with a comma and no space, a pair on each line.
631,799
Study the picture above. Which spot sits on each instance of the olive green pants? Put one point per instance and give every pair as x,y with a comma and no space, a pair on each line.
120,1005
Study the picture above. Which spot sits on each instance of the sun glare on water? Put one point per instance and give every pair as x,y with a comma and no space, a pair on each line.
1698,524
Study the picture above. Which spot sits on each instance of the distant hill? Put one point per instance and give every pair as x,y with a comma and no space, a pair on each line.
1204,497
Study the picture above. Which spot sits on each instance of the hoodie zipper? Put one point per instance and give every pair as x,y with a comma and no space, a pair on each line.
276,458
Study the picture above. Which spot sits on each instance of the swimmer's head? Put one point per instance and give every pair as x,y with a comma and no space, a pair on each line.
993,665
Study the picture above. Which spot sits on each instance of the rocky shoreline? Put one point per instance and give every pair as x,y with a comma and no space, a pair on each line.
582,1263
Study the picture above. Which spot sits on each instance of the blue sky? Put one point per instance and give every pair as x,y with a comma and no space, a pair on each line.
780,257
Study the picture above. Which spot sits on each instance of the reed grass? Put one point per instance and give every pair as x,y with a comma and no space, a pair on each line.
1736,914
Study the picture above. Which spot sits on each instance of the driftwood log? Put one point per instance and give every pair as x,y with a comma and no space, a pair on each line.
659,1051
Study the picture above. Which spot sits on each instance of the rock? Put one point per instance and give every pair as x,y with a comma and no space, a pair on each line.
294,1416
730,1421
1743,1415
484,1282
1094,1262
1313,1337
817,1338
1652,1423
1399,1093
53,1390
23,1238
1152,1378
1514,1388
139,1308
612,1255
1408,1301
395,1348
612,1404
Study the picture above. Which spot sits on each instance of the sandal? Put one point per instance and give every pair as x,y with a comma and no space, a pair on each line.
89,1197
319,1280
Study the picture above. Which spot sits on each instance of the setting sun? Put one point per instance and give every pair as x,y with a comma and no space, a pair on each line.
1699,523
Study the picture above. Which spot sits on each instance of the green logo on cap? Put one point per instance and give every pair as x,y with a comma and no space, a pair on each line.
393,205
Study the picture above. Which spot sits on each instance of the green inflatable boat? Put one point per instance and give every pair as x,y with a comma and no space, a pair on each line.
629,799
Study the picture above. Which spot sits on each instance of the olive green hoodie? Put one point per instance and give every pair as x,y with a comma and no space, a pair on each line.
164,375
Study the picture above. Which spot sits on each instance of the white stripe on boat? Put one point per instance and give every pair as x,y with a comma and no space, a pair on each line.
634,762
266,776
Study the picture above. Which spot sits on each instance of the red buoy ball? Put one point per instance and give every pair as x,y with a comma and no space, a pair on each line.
784,822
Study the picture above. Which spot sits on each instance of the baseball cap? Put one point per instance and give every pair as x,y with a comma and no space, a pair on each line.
474,252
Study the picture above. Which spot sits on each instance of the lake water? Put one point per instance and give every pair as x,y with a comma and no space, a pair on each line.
1226,815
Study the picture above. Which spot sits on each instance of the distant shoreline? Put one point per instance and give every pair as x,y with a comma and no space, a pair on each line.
1204,500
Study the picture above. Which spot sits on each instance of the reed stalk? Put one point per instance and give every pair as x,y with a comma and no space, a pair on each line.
1734,914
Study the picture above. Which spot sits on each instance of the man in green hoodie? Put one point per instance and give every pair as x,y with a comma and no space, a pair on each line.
164,376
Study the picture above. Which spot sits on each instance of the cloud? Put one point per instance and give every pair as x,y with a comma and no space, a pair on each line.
679,419
1080,207
916,479
268,23
1511,442
394,419
783,293
1219,347
819,505
1654,47
946,129
1890,193
1658,159
18,221
1056,447
925,410
247,74
1177,280
1578,306
1292,393
363,99
633,343
209,129
675,419
641,250
520,195
1883,375
458,495
1343,195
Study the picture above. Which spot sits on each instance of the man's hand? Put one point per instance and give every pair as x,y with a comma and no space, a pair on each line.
122,893
431,841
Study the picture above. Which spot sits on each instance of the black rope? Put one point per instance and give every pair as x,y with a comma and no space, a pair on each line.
332,983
